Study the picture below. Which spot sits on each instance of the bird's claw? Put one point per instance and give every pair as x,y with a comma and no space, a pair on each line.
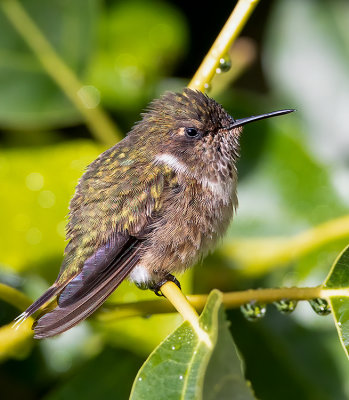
156,288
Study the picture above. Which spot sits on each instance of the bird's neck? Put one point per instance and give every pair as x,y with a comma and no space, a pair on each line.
221,183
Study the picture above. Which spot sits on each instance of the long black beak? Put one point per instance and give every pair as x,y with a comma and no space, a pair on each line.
244,121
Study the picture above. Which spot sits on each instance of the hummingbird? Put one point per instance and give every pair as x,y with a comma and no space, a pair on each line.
149,207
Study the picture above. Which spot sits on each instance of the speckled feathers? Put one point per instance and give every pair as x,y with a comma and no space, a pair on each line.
156,202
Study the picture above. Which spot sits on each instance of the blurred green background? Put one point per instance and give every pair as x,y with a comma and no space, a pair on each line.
293,175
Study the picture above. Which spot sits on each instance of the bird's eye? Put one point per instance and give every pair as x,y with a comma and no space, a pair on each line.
192,132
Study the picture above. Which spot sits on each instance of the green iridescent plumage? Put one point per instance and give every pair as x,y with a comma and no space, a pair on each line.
100,207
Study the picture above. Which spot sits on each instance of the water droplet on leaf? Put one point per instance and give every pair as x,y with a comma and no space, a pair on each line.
176,346
320,306
253,311
286,306
180,377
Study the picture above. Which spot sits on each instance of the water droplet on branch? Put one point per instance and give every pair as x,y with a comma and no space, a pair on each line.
253,311
224,65
320,306
207,87
286,306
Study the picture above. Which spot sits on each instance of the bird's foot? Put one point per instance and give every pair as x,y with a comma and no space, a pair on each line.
156,288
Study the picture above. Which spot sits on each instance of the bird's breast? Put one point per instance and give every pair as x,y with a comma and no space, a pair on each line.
194,216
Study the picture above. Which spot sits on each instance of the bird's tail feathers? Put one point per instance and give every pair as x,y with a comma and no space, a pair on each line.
43,300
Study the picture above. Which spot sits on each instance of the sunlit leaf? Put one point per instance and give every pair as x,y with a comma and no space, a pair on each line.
39,184
195,363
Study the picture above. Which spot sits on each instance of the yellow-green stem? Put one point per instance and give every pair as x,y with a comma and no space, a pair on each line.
259,255
98,121
230,300
176,297
14,297
221,45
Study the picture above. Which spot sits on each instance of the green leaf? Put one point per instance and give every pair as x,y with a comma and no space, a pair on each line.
195,363
224,378
139,42
336,290
107,376
294,189
288,359
29,97
300,63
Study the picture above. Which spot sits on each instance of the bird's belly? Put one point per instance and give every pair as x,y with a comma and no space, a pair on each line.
186,233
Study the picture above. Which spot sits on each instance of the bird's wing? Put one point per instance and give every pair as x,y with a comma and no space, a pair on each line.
108,221
100,276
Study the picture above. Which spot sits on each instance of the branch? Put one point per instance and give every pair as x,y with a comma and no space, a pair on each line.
14,297
221,45
15,340
174,294
258,256
111,312
101,126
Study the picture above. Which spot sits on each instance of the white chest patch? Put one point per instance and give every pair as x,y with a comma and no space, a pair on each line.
173,162
220,189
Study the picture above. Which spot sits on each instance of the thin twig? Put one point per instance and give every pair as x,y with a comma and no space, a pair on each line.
14,297
101,126
230,300
259,255
221,45
176,297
